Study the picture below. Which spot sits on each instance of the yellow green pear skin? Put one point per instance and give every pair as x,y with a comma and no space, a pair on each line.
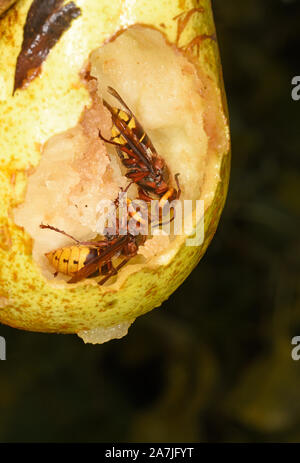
53,103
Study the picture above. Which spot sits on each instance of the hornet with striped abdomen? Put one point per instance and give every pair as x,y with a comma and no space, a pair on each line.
145,167
90,258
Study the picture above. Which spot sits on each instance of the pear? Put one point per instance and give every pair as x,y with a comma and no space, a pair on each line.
163,58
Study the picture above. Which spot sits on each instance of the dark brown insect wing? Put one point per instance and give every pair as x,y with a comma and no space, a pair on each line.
102,258
87,270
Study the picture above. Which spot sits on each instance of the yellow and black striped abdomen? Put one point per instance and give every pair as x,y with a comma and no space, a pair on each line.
132,124
129,121
70,259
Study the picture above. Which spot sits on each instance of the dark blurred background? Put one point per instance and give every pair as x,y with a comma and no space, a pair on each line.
214,363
